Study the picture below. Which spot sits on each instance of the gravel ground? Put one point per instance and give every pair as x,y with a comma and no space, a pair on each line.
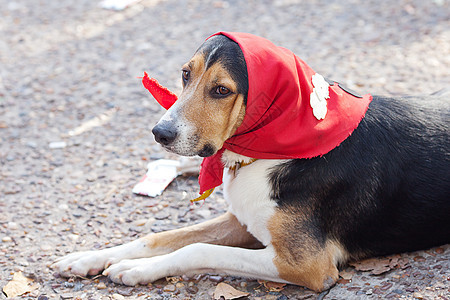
64,63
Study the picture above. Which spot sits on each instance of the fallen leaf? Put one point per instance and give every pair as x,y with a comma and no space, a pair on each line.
380,269
346,275
376,266
403,263
19,285
394,262
173,279
228,292
272,286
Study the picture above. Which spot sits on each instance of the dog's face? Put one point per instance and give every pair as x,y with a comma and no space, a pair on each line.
212,104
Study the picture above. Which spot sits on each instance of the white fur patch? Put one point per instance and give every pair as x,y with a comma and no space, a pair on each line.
319,96
184,143
248,194
80,263
196,259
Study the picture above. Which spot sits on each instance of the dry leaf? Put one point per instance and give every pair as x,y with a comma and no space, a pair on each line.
380,269
376,266
403,263
19,285
272,286
394,261
228,292
346,275
173,279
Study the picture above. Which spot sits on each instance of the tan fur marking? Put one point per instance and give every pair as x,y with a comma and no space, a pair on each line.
224,230
300,259
215,119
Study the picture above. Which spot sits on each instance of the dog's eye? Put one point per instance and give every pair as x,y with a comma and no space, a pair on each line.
186,74
223,91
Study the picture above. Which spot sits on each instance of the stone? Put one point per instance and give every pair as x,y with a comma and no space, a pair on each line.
101,286
12,225
170,288
6,239
57,145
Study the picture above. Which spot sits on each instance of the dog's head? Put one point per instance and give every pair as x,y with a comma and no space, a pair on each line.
212,104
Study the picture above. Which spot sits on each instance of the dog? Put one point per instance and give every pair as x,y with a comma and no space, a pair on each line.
382,188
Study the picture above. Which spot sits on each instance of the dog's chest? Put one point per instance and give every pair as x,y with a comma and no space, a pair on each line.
248,194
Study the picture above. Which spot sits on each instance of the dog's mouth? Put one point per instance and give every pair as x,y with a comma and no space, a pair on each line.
185,146
207,150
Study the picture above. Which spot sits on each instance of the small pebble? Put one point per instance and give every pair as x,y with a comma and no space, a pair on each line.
101,286
216,278
6,239
204,213
179,285
162,215
63,206
386,286
192,289
170,288
57,145
69,285
140,222
118,297
46,247
78,286
31,144
126,291
12,225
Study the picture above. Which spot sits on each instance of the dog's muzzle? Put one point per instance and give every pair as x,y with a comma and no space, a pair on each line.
164,134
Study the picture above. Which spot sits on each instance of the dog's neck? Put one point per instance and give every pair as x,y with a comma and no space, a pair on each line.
231,159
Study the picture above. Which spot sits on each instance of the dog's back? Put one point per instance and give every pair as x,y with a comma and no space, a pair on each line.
383,190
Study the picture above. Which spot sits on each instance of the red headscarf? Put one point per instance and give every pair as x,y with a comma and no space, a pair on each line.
291,112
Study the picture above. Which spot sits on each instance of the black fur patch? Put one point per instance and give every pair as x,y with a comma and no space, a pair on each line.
385,189
207,150
222,49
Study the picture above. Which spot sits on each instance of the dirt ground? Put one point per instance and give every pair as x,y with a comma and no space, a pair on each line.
75,126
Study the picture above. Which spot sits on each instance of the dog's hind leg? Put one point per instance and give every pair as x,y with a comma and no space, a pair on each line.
223,230
304,256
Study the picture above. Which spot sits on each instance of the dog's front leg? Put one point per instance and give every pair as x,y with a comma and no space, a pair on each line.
223,230
197,258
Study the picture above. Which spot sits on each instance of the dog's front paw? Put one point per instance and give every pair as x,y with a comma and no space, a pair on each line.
83,263
136,271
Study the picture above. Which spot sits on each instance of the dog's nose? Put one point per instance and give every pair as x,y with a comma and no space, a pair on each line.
164,134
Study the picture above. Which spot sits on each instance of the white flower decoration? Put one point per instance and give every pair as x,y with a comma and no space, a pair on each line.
319,96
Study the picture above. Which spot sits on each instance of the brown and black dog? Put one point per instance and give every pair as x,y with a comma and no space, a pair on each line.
383,190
